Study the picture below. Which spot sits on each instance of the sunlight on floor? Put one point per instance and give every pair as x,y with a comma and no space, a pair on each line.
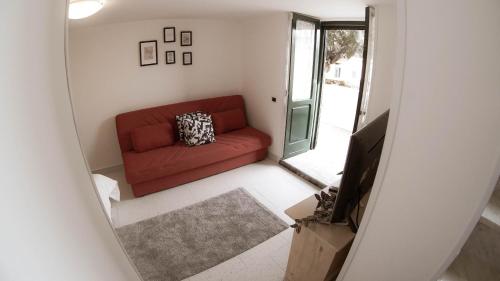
327,160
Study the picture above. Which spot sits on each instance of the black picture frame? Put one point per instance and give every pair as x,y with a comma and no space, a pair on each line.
187,58
186,38
169,29
166,57
153,61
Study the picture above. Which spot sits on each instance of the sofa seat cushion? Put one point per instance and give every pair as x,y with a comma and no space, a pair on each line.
170,160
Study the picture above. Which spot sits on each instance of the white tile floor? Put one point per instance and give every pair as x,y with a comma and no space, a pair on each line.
269,183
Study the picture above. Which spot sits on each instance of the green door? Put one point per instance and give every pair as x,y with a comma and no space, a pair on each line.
302,89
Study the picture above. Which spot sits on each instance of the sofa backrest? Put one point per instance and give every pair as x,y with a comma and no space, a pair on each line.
128,121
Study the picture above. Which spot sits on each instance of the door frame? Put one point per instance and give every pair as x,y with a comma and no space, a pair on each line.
318,84
330,25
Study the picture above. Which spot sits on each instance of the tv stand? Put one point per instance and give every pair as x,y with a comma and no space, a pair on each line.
319,250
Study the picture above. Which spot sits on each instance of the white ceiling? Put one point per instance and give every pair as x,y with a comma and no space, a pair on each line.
115,11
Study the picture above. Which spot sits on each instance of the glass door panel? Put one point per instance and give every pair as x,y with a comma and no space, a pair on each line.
303,65
343,65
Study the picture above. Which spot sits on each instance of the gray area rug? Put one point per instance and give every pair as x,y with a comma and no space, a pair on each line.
184,242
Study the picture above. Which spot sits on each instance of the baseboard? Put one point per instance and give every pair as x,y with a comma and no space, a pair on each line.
273,157
108,169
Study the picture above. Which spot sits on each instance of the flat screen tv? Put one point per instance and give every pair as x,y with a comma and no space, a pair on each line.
360,168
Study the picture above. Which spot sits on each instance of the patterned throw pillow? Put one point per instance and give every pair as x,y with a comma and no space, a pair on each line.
198,130
181,117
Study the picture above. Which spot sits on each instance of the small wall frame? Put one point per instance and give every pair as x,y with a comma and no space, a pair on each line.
186,38
170,57
169,34
187,58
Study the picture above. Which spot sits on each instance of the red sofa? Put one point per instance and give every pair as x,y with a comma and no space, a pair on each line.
171,165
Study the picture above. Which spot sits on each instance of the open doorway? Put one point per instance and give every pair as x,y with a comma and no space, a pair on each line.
341,69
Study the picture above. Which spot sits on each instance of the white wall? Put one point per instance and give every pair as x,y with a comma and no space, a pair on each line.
383,61
53,228
265,68
443,144
106,78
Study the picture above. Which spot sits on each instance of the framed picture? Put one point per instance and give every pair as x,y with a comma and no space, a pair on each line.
169,34
186,38
187,58
170,57
148,52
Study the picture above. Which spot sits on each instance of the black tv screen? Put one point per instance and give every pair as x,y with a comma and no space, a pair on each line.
360,168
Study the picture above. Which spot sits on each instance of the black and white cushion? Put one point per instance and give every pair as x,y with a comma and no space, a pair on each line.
179,119
198,129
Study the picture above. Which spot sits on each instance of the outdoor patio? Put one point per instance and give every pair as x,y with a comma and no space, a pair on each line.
338,108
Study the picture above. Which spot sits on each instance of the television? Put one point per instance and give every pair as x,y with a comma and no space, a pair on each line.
363,156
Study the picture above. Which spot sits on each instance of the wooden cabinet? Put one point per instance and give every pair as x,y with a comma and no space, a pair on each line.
318,251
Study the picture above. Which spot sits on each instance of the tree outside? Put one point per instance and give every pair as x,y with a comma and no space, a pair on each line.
342,44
